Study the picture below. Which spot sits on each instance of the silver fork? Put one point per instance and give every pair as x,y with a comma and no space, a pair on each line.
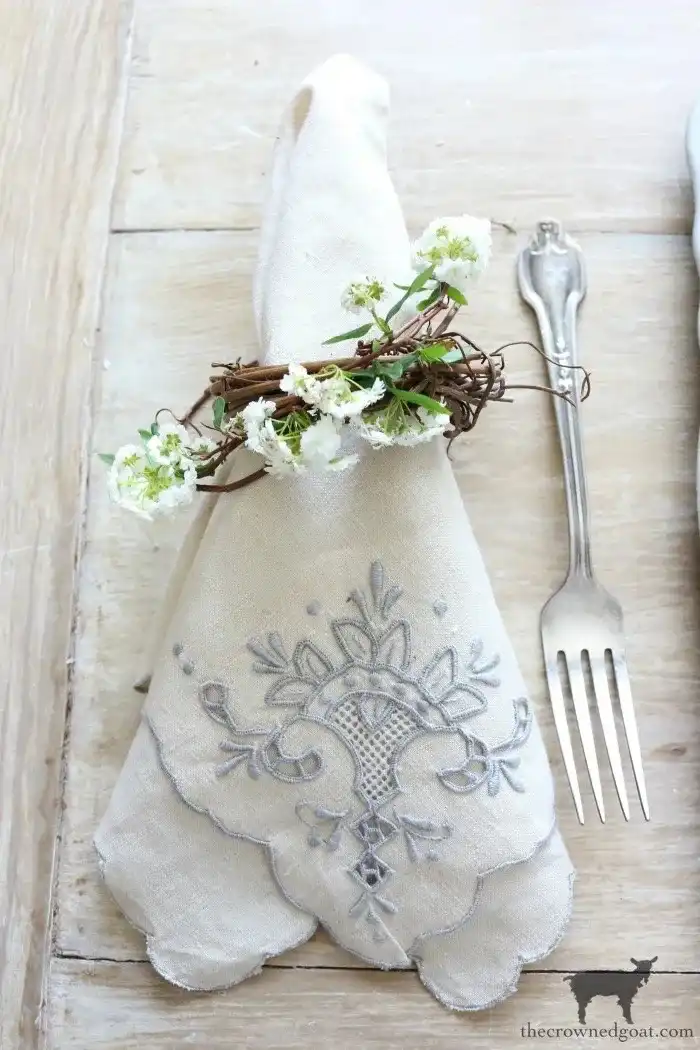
581,624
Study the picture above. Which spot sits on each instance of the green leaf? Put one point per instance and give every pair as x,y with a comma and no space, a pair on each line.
145,435
456,296
433,353
452,356
420,282
218,408
407,361
418,399
356,333
432,298
396,307
390,371
364,377
106,458
393,370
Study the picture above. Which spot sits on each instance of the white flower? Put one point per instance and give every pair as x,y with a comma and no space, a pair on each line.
201,446
320,443
257,412
129,459
182,489
336,395
362,294
148,488
327,392
168,444
373,432
297,381
253,419
340,397
458,247
302,446
427,426
388,428
342,401
279,457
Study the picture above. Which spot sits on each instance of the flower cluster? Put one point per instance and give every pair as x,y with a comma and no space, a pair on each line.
158,475
363,294
396,425
333,392
458,250
392,392
311,440
293,445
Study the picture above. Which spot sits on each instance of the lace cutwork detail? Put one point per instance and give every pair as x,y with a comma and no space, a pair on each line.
374,742
376,702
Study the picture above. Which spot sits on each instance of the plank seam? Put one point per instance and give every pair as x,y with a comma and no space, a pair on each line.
107,960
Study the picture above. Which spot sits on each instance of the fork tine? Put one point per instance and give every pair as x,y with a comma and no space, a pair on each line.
624,692
583,717
607,721
562,727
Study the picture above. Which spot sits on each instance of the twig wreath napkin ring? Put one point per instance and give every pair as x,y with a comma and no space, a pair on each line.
336,730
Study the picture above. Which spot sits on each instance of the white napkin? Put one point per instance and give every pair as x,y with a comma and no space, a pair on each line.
337,729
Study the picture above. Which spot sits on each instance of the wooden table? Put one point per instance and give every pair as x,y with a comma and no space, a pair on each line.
133,147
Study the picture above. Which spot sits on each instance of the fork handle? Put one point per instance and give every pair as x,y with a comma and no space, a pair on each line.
569,427
556,285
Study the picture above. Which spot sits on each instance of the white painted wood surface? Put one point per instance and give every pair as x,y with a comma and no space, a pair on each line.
176,301
106,1005
61,75
511,111
517,109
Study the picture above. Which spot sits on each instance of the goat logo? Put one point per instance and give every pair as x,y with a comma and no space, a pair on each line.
624,984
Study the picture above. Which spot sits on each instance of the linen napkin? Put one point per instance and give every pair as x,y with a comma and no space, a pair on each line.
337,730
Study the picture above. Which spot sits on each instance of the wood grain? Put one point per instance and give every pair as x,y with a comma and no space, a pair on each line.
103,1005
61,67
499,108
176,301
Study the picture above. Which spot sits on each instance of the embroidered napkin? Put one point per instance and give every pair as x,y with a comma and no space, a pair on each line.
337,730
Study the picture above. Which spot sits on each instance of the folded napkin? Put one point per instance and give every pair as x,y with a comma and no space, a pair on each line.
337,730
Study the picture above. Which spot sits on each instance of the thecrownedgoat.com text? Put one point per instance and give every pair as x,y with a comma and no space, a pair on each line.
620,1033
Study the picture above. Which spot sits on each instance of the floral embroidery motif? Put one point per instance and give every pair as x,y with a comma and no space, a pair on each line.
372,697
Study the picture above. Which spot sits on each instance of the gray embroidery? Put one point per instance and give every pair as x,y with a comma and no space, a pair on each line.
325,826
186,665
376,701
418,832
371,901
273,656
484,764
257,750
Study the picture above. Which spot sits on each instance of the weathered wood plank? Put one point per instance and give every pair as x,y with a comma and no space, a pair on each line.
499,109
61,73
176,301
101,1006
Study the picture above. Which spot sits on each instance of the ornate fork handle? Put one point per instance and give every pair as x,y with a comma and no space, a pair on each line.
552,280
